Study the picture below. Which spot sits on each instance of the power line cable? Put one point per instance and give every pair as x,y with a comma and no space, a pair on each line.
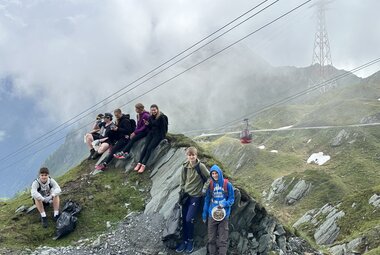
291,97
359,68
44,136
213,55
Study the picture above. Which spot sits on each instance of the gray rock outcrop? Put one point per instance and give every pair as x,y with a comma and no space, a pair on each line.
347,248
325,222
300,190
375,200
340,138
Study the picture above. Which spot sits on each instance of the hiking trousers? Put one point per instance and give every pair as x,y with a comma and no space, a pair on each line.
133,140
217,236
189,211
151,142
121,143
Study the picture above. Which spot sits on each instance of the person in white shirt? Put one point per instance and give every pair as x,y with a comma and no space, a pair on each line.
45,191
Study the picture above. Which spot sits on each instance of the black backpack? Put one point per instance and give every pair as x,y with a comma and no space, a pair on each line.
133,124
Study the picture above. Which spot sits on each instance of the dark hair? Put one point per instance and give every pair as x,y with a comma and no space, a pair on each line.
44,170
158,110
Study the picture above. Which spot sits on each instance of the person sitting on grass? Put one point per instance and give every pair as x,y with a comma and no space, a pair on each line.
94,134
45,191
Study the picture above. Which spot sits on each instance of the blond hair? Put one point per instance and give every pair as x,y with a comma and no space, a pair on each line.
191,150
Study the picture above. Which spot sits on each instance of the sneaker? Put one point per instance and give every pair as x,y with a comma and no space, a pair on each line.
119,155
181,247
44,222
142,169
96,171
56,217
137,167
189,247
101,166
92,151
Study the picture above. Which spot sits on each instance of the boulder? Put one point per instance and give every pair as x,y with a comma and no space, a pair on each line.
339,139
374,200
300,190
329,230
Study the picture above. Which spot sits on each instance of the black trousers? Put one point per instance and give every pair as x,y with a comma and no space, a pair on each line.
133,140
116,148
151,142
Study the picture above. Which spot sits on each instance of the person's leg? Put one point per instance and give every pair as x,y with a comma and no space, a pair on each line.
40,207
137,137
222,241
148,140
89,140
103,147
56,204
150,148
212,231
116,148
193,206
182,245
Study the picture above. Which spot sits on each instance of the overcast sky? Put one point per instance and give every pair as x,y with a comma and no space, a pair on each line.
59,57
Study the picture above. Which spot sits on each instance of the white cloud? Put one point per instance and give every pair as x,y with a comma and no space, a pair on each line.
67,55
2,135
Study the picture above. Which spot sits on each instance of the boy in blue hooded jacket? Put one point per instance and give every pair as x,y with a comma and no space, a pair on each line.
220,195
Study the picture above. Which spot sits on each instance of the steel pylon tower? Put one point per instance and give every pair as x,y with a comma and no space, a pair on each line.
321,60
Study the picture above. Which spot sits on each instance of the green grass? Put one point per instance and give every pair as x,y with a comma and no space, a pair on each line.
100,204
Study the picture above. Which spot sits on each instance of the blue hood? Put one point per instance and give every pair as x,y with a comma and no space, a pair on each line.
215,168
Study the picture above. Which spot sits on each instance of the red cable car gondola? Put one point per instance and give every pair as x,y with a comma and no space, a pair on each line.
245,135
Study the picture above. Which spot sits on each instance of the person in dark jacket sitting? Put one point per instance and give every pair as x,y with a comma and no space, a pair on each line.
157,126
140,132
124,127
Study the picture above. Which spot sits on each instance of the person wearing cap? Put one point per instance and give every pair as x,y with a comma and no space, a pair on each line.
45,191
124,127
216,210
94,134
108,137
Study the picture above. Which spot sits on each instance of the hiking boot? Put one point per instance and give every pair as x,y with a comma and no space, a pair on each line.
56,217
142,169
189,247
44,222
101,166
181,247
137,167
92,151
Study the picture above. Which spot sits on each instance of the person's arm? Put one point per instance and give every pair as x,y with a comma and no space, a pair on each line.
206,205
55,189
206,174
35,194
231,196
145,117
183,179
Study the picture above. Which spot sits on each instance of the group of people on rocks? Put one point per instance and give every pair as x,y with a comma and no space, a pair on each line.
118,137
198,185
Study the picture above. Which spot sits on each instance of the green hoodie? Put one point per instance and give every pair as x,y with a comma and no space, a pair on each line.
191,182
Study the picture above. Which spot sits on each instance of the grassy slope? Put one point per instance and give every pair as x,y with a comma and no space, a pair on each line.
100,203
350,176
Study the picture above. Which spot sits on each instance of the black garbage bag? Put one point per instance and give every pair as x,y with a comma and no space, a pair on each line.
173,228
67,221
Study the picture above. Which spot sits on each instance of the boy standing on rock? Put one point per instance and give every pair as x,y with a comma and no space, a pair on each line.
217,208
193,177
45,190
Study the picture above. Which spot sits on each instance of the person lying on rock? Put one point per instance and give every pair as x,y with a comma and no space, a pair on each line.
45,191
216,210
193,183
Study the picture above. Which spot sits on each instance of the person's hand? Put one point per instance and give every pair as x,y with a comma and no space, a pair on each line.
204,221
146,122
47,199
132,135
